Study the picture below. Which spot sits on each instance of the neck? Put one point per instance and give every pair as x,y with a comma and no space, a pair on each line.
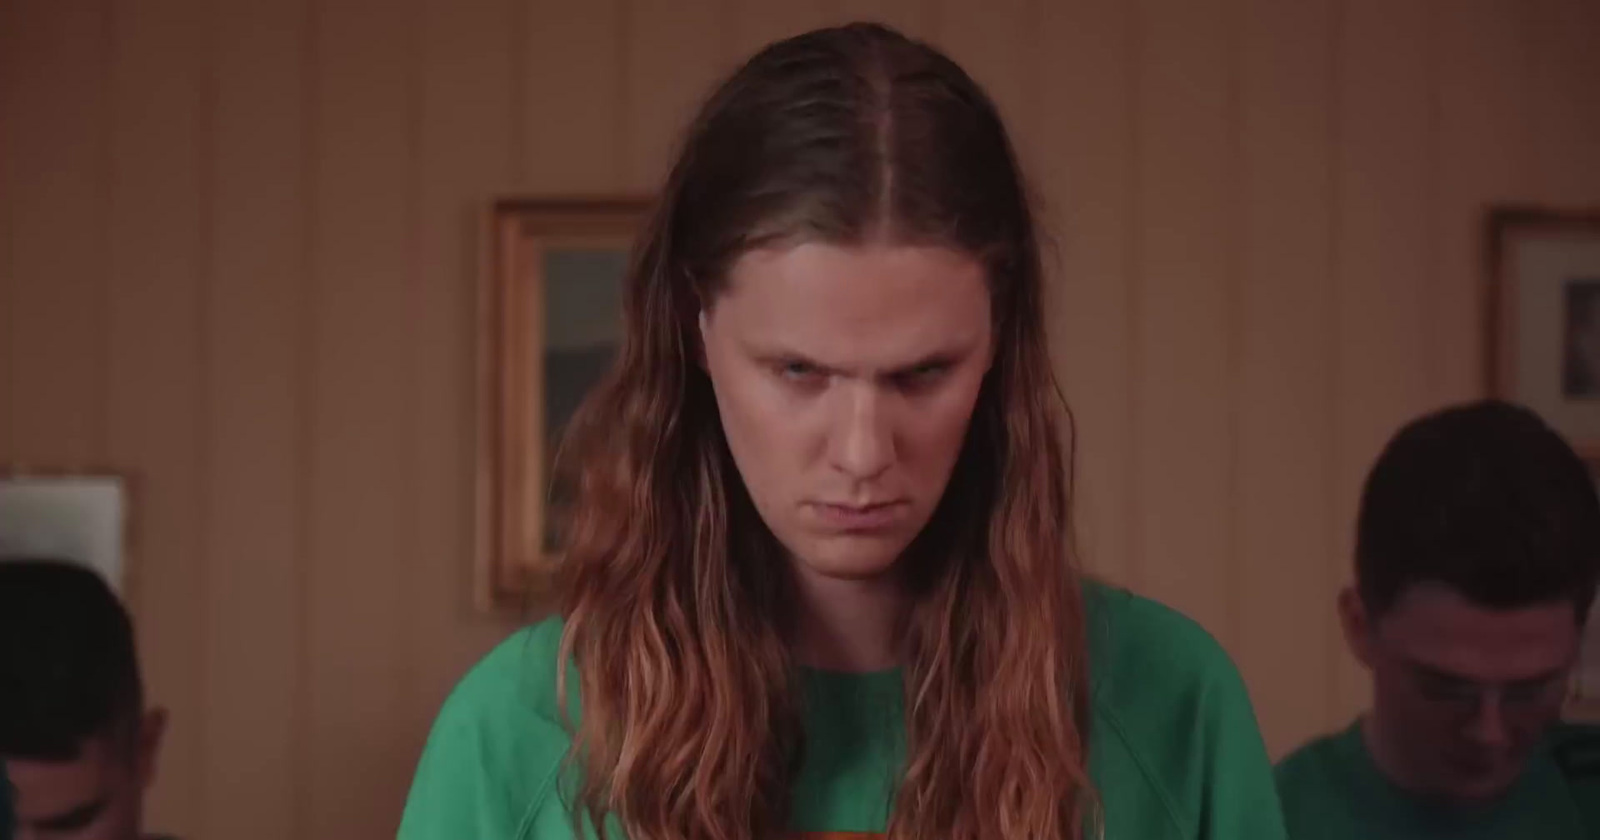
848,625
1388,760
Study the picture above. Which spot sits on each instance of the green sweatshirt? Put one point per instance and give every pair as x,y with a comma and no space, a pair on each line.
1175,752
1333,790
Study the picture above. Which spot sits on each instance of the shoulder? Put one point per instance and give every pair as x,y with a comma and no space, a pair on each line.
496,748
1576,749
519,676
1310,775
1327,790
1174,742
1142,651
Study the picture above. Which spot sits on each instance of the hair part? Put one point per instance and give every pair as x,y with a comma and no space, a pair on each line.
68,668
675,621
1486,499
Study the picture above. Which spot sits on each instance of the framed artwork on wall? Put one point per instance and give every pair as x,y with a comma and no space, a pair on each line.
79,517
1544,349
550,321
1544,306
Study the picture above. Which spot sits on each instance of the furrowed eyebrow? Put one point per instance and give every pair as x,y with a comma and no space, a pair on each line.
74,819
774,356
1444,676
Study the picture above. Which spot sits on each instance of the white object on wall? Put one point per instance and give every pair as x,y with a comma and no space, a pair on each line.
77,518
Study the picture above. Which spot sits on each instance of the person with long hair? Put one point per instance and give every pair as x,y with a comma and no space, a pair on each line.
817,575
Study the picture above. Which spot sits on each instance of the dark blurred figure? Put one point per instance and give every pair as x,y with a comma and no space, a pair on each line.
77,743
1477,551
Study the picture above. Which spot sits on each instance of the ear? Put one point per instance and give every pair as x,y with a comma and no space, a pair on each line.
152,728
1357,625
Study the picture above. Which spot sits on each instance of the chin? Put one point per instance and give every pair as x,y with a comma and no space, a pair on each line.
850,558
1484,786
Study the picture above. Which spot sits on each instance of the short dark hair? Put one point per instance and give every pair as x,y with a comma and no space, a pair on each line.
68,669
1486,499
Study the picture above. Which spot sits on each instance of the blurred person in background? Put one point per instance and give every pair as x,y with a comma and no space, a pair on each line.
77,744
1477,551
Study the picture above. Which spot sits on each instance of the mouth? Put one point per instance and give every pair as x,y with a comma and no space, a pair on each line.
860,518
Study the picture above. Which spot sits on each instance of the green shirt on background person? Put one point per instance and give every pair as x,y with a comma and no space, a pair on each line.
1174,752
1331,788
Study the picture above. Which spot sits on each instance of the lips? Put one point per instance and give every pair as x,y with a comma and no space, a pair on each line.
872,516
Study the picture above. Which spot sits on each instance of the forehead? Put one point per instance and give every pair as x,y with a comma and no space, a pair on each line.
48,788
1439,627
833,296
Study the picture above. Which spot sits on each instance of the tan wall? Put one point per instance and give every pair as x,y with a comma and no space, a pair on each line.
236,258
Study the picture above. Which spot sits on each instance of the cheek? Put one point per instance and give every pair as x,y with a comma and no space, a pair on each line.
934,432
764,435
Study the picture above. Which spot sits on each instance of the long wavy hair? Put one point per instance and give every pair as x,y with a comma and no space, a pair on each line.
672,589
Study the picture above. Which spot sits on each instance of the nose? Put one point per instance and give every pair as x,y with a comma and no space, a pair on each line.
1488,727
862,446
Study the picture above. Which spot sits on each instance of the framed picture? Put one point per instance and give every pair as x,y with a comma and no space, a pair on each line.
551,323
81,518
1545,317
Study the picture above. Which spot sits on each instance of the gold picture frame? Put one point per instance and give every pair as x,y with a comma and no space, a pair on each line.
1544,316
549,322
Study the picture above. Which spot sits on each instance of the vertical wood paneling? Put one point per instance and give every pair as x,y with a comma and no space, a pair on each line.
11,83
465,158
674,53
1286,617
255,329
1084,165
991,42
56,178
1566,118
1184,382
1483,147
912,17
160,239
571,137
1384,276
362,505
757,23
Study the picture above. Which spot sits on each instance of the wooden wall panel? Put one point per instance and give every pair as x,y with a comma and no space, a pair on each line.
1566,124
465,153
1084,162
1184,369
160,214
1385,124
362,507
991,42
913,17
753,24
11,86
255,365
571,135
674,53
1483,146
1288,641
57,166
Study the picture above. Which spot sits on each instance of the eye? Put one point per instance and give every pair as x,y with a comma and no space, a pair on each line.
922,376
799,372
